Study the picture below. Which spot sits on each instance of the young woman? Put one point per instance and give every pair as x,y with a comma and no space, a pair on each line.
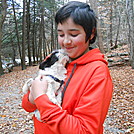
88,88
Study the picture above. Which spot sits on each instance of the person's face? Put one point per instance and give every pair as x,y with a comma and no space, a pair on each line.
71,38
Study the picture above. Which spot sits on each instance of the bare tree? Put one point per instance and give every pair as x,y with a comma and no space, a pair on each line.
34,35
16,28
111,23
28,31
93,4
2,19
118,27
23,35
41,31
130,21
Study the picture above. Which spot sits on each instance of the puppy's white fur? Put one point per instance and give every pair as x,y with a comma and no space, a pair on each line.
57,70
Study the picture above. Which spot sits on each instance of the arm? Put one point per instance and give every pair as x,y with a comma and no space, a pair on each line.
88,116
27,105
39,86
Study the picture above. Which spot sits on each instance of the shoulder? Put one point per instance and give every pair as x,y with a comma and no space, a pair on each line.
98,68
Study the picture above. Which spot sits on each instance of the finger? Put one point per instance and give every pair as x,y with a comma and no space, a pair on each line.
30,88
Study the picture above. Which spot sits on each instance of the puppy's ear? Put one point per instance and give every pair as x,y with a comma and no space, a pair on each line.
49,61
44,64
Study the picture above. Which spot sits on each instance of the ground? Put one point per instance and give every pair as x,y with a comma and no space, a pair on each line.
14,120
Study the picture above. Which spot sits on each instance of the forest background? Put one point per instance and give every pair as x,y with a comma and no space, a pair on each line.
28,34
28,31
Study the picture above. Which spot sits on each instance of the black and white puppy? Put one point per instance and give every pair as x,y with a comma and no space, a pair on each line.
53,68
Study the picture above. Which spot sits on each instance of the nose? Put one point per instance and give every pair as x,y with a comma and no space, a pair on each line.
67,41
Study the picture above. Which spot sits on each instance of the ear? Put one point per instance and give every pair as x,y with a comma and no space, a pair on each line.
93,34
48,62
44,64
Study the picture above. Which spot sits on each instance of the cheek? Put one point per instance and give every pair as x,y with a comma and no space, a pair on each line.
79,42
79,39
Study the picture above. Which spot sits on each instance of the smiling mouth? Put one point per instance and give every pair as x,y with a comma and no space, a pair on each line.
69,48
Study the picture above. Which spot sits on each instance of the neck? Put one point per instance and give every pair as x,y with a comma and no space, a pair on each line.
72,59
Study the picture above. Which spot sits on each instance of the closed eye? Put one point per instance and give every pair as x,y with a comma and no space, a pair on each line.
61,35
74,35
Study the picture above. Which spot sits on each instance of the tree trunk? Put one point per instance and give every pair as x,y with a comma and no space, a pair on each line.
52,36
111,23
130,21
1,69
117,35
14,52
41,31
100,42
23,36
33,37
2,19
132,35
28,32
99,34
44,43
16,28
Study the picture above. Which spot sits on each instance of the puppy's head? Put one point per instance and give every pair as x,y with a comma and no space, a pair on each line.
56,56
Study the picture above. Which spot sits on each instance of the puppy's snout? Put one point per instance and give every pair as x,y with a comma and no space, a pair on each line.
65,60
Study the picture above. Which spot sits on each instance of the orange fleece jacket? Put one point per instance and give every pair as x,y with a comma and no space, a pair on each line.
85,103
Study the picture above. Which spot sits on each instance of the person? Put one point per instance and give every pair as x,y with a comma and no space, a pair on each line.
88,87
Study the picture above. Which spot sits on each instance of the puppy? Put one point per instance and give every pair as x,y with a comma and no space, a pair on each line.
55,73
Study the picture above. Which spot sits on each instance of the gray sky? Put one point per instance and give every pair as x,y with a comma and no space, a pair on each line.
20,1
78,0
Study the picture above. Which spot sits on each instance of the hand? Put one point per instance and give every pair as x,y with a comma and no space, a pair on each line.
39,87
31,99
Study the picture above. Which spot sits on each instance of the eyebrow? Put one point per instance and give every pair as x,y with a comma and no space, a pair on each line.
68,30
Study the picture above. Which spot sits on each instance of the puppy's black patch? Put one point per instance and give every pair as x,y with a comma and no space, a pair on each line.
49,61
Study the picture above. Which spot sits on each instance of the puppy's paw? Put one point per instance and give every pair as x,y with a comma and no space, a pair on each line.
27,85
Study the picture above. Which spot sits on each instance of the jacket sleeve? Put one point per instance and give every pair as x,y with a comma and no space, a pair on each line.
27,105
89,114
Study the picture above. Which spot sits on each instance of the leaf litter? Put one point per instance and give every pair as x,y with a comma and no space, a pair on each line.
15,120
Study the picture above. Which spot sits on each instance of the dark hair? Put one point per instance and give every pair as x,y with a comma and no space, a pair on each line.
82,14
